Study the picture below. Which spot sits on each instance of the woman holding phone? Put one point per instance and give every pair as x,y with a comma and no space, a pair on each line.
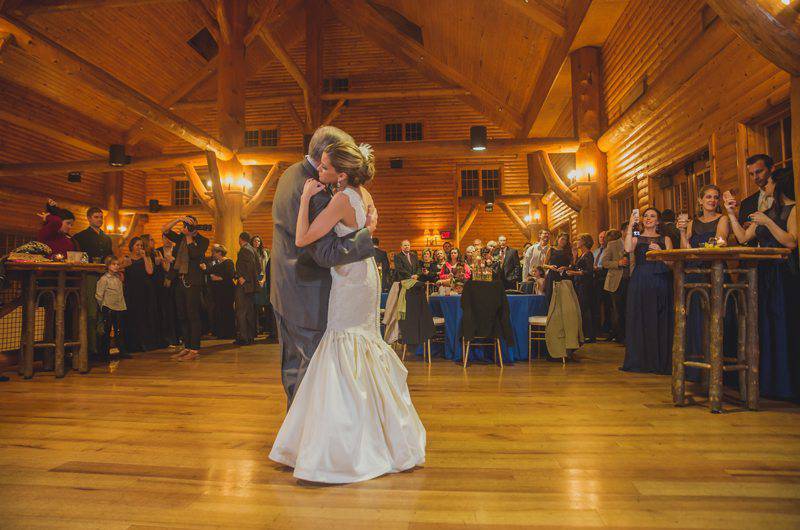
649,313
778,287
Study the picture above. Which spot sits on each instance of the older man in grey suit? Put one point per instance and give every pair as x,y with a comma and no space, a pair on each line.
300,279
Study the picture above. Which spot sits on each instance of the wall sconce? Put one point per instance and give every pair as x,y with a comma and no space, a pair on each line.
209,184
431,238
537,216
109,228
581,174
527,219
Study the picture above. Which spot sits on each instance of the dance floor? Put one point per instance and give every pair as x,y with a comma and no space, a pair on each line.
159,444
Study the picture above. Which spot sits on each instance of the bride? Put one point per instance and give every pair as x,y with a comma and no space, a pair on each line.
352,418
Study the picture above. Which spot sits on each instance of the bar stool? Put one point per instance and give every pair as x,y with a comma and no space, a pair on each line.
536,332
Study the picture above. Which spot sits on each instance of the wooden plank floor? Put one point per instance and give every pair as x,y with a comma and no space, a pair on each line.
160,444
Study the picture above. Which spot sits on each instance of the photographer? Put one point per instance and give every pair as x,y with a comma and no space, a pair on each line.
190,249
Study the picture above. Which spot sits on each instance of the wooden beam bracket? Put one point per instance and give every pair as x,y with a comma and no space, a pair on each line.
557,184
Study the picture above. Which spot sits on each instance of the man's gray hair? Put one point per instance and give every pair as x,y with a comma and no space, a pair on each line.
323,137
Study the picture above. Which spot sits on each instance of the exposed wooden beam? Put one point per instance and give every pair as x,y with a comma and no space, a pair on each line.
258,23
197,185
558,53
545,16
52,53
518,222
695,55
756,25
557,184
315,16
207,104
208,19
471,215
32,7
359,16
457,149
269,182
216,182
56,133
304,126
224,23
286,60
5,39
100,165
334,112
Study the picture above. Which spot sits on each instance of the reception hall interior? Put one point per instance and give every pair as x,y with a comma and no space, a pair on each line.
583,224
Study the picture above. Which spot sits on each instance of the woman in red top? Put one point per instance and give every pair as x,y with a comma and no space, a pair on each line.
55,231
451,264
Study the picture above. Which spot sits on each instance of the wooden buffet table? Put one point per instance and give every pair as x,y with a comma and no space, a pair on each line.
58,280
745,293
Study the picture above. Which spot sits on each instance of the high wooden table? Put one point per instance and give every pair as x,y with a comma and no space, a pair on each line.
59,280
745,293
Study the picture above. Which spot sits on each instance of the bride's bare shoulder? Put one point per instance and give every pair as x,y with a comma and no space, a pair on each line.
366,196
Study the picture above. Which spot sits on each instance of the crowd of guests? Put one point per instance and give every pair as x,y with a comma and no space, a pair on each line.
170,295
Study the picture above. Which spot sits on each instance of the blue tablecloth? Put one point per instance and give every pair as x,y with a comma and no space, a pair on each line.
521,307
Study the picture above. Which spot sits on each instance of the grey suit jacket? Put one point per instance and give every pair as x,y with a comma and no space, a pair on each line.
300,279
615,250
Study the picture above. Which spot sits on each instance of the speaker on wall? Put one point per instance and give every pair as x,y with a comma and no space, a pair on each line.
153,205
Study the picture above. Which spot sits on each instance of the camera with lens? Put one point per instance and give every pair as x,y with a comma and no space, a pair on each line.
204,228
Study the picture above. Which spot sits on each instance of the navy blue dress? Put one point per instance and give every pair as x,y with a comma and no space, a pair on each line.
778,315
649,314
695,316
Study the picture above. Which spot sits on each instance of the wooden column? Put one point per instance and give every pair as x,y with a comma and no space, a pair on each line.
795,104
315,10
587,115
113,183
537,186
231,79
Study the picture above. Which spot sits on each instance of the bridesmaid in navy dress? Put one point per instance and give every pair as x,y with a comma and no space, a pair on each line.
709,225
778,288
649,312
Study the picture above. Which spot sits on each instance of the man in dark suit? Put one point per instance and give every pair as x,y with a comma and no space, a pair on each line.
246,285
406,263
668,228
382,260
508,264
300,279
759,168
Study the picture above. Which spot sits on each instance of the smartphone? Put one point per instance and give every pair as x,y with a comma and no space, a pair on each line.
635,229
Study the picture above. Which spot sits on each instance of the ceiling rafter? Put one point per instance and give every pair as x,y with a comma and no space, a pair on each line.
34,7
89,145
360,17
286,60
544,15
207,17
49,52
559,51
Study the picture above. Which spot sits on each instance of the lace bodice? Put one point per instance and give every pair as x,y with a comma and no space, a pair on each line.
357,203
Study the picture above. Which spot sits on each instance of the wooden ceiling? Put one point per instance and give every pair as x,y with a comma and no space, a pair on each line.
506,53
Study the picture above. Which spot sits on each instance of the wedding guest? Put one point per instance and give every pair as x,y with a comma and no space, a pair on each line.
537,281
56,228
508,263
429,270
382,261
406,262
140,331
164,281
221,275
759,169
778,286
447,247
669,229
615,263
478,244
536,254
246,287
191,248
439,260
582,273
602,303
649,312
110,297
709,225
455,268
557,261
263,308
97,246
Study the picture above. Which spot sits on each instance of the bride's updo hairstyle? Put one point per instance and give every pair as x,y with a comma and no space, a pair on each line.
356,161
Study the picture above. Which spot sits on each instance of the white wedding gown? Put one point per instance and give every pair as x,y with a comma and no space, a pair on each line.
352,418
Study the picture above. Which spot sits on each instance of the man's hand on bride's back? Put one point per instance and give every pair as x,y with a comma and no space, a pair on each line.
312,187
372,219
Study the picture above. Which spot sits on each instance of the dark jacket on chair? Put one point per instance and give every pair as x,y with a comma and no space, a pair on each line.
417,327
486,311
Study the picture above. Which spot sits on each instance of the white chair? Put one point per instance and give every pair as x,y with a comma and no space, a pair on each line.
536,332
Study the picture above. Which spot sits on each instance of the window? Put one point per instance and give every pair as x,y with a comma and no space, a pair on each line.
182,193
683,183
204,44
622,205
477,181
395,132
779,141
413,132
338,84
261,137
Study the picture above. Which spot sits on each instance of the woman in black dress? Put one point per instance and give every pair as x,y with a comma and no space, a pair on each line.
140,332
778,288
649,311
557,261
220,275
709,226
429,269
582,274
